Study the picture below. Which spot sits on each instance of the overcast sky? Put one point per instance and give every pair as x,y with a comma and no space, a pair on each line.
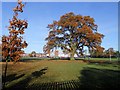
40,14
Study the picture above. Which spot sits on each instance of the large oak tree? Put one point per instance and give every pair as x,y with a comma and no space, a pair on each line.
72,33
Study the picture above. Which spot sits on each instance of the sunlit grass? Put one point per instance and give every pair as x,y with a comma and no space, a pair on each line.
112,59
44,71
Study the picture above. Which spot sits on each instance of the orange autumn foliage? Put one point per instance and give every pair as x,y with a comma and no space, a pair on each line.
73,32
13,44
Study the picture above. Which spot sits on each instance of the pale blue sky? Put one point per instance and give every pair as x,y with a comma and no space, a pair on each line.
40,14
62,0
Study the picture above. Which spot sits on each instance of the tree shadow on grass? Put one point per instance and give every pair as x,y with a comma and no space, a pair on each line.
39,73
23,84
11,77
90,79
93,79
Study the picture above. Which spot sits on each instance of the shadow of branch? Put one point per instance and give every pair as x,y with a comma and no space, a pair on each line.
39,73
24,83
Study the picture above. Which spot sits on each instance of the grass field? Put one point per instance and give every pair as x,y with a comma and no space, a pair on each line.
112,59
89,75
35,58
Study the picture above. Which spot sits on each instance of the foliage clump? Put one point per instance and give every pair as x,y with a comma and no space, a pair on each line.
72,33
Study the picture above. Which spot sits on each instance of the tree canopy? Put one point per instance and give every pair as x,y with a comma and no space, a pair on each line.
13,44
72,33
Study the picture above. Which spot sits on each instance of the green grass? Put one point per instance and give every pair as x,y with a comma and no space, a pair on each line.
104,59
38,58
26,74
33,58
108,59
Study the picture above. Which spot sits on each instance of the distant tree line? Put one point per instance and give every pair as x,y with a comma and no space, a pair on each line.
106,53
32,54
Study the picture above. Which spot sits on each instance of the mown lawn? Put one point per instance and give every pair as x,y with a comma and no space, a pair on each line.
89,75
112,59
